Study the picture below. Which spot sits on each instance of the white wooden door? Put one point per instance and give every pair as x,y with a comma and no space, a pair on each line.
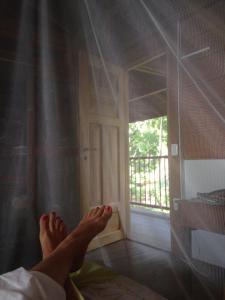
104,142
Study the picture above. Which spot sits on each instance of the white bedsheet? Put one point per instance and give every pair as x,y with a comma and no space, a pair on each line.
23,285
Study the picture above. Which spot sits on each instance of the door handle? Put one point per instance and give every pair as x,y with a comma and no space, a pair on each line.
85,152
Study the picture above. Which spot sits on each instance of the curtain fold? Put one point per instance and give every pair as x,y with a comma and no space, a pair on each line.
39,152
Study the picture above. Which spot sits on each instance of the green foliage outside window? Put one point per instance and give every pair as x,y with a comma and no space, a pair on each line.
148,172
148,138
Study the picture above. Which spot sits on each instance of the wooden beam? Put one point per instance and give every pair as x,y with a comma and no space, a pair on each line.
147,61
147,95
195,52
150,71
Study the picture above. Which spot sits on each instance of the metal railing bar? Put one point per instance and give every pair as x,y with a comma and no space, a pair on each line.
135,181
166,181
139,178
149,178
155,195
146,181
160,189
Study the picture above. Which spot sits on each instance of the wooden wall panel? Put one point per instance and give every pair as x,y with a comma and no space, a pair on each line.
136,53
150,107
209,18
202,77
111,176
202,123
141,83
104,90
96,164
203,67
173,138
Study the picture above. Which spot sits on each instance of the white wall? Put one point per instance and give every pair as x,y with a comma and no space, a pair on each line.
205,176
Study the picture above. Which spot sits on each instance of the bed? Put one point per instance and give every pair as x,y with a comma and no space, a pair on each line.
95,282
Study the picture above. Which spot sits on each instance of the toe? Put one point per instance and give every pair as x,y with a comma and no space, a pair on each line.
44,224
62,228
107,212
58,221
62,231
52,217
100,211
94,211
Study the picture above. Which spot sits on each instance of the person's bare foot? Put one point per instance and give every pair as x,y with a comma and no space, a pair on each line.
95,221
53,230
91,224
71,250
52,233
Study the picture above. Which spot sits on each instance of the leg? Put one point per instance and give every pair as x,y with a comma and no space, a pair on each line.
71,251
52,233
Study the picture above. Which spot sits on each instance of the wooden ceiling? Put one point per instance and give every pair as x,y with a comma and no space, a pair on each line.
126,32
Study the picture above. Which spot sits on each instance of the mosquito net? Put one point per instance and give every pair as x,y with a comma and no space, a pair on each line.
117,102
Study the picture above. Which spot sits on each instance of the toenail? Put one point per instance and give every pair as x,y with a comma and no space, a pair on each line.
45,217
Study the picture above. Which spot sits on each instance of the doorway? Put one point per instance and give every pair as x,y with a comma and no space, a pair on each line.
148,165
148,153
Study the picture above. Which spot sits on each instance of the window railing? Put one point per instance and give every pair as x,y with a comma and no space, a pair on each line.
149,182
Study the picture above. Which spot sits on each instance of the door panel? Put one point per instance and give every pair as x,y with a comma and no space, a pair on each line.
110,164
95,164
